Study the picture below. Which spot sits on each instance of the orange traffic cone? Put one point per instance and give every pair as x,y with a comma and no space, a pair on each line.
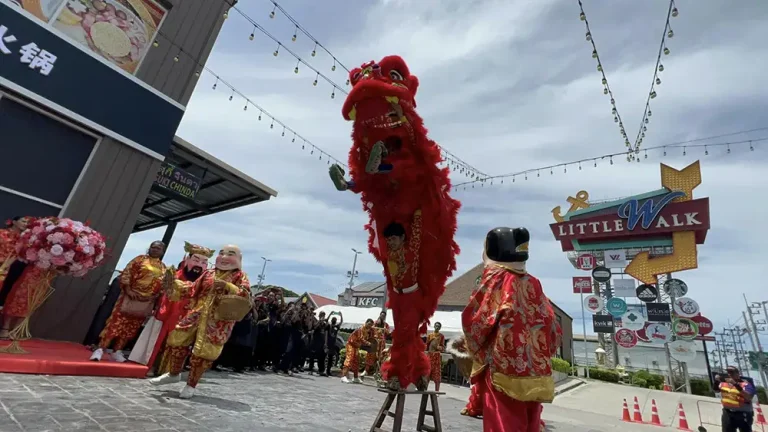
625,413
683,424
667,387
655,420
760,416
637,415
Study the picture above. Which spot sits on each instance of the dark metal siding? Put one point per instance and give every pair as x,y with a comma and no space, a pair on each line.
110,195
192,25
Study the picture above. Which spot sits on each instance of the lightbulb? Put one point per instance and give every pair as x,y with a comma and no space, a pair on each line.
605,81
333,68
599,68
582,16
594,53
155,44
226,15
275,53
647,121
670,33
293,39
666,51
272,14
661,68
613,111
706,152
245,108
653,94
259,116
296,70
176,59
658,81
272,125
347,82
197,74
231,97
675,13
214,86
611,160
314,83
314,53
649,113
588,36
333,94
615,119
605,90
251,36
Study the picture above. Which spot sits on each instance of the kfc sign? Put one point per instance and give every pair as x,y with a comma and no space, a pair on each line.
368,302
586,262
582,285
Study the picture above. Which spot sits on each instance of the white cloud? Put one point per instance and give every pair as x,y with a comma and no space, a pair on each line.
506,85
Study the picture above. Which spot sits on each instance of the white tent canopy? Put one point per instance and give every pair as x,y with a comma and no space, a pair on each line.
355,317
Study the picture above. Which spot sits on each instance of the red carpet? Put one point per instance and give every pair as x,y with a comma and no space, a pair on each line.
64,358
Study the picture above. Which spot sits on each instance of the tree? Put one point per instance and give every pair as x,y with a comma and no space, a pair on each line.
286,291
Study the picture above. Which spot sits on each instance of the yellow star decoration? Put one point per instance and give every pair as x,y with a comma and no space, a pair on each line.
684,180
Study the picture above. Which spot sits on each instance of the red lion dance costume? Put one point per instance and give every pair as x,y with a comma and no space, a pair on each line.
394,167
512,334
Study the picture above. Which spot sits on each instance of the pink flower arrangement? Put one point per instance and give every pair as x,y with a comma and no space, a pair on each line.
61,245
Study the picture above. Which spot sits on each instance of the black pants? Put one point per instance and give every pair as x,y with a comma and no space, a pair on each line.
737,421
331,359
293,352
319,356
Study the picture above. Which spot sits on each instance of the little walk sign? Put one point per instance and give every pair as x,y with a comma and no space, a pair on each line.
665,217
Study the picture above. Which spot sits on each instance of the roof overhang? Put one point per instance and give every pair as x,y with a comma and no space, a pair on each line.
222,188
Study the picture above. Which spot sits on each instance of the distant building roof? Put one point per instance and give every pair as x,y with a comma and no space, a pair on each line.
321,301
369,287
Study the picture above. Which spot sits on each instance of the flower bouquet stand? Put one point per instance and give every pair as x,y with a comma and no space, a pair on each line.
51,247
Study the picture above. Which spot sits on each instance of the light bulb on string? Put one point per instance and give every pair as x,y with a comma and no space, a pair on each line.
565,169
155,44
684,151
314,50
333,94
277,50
658,81
253,34
176,58
675,12
666,51
594,53
650,113
303,144
615,119
751,148
216,83
646,154
245,108
294,138
611,160
582,16
646,121
313,150
588,36
295,34
502,180
314,83
661,68
347,81
551,172
272,14
272,125
706,152
579,166
538,173
296,69
232,96
605,90
665,151
226,15
283,134
728,148
595,163
599,67
260,115
653,94
333,68
670,33
197,73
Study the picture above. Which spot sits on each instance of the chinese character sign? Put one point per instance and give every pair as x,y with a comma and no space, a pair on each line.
30,54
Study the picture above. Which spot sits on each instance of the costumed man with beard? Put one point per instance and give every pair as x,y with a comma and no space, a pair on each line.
217,300
141,284
192,267
435,348
512,334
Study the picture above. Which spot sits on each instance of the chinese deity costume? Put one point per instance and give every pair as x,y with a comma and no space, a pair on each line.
141,284
512,333
394,168
169,312
435,348
360,338
374,355
217,300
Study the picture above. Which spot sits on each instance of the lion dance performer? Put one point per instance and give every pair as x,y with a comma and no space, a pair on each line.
412,219
217,300
194,264
512,334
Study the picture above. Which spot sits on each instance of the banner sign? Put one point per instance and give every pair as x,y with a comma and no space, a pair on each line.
675,288
602,324
684,328
658,312
631,320
582,285
615,258
601,274
616,306
623,287
593,303
177,180
705,325
586,262
625,338
658,333
35,59
686,307
647,293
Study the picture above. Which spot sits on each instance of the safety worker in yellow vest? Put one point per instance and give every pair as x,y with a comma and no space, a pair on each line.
737,395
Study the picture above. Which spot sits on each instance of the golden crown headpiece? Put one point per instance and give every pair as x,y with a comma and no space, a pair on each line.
193,249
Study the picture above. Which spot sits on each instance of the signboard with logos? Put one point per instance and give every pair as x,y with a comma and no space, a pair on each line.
668,217
642,336
602,324
658,312
616,306
658,333
54,70
593,303
367,301
682,350
647,293
586,261
623,287
686,307
705,325
582,285
631,320
601,274
625,338
615,258
685,329
178,181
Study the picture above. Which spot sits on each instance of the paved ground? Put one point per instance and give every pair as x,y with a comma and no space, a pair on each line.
232,402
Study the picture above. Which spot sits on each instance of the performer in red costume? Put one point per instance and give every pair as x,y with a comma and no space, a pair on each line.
512,334
394,167
194,264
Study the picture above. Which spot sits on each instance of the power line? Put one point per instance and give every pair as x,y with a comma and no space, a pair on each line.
594,160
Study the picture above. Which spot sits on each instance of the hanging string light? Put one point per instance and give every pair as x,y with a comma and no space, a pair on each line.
750,143
632,148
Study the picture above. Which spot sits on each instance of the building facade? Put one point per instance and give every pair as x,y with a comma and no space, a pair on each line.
90,100
454,299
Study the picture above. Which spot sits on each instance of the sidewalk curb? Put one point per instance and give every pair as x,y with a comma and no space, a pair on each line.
576,383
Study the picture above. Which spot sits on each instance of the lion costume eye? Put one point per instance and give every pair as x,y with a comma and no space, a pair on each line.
395,75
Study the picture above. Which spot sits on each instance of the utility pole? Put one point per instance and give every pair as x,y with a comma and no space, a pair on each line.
353,274
741,331
719,352
263,269
757,347
735,346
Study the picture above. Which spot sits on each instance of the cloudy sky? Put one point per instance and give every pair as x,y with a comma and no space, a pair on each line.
505,85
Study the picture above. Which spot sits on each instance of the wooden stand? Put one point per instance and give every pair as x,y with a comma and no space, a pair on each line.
426,396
